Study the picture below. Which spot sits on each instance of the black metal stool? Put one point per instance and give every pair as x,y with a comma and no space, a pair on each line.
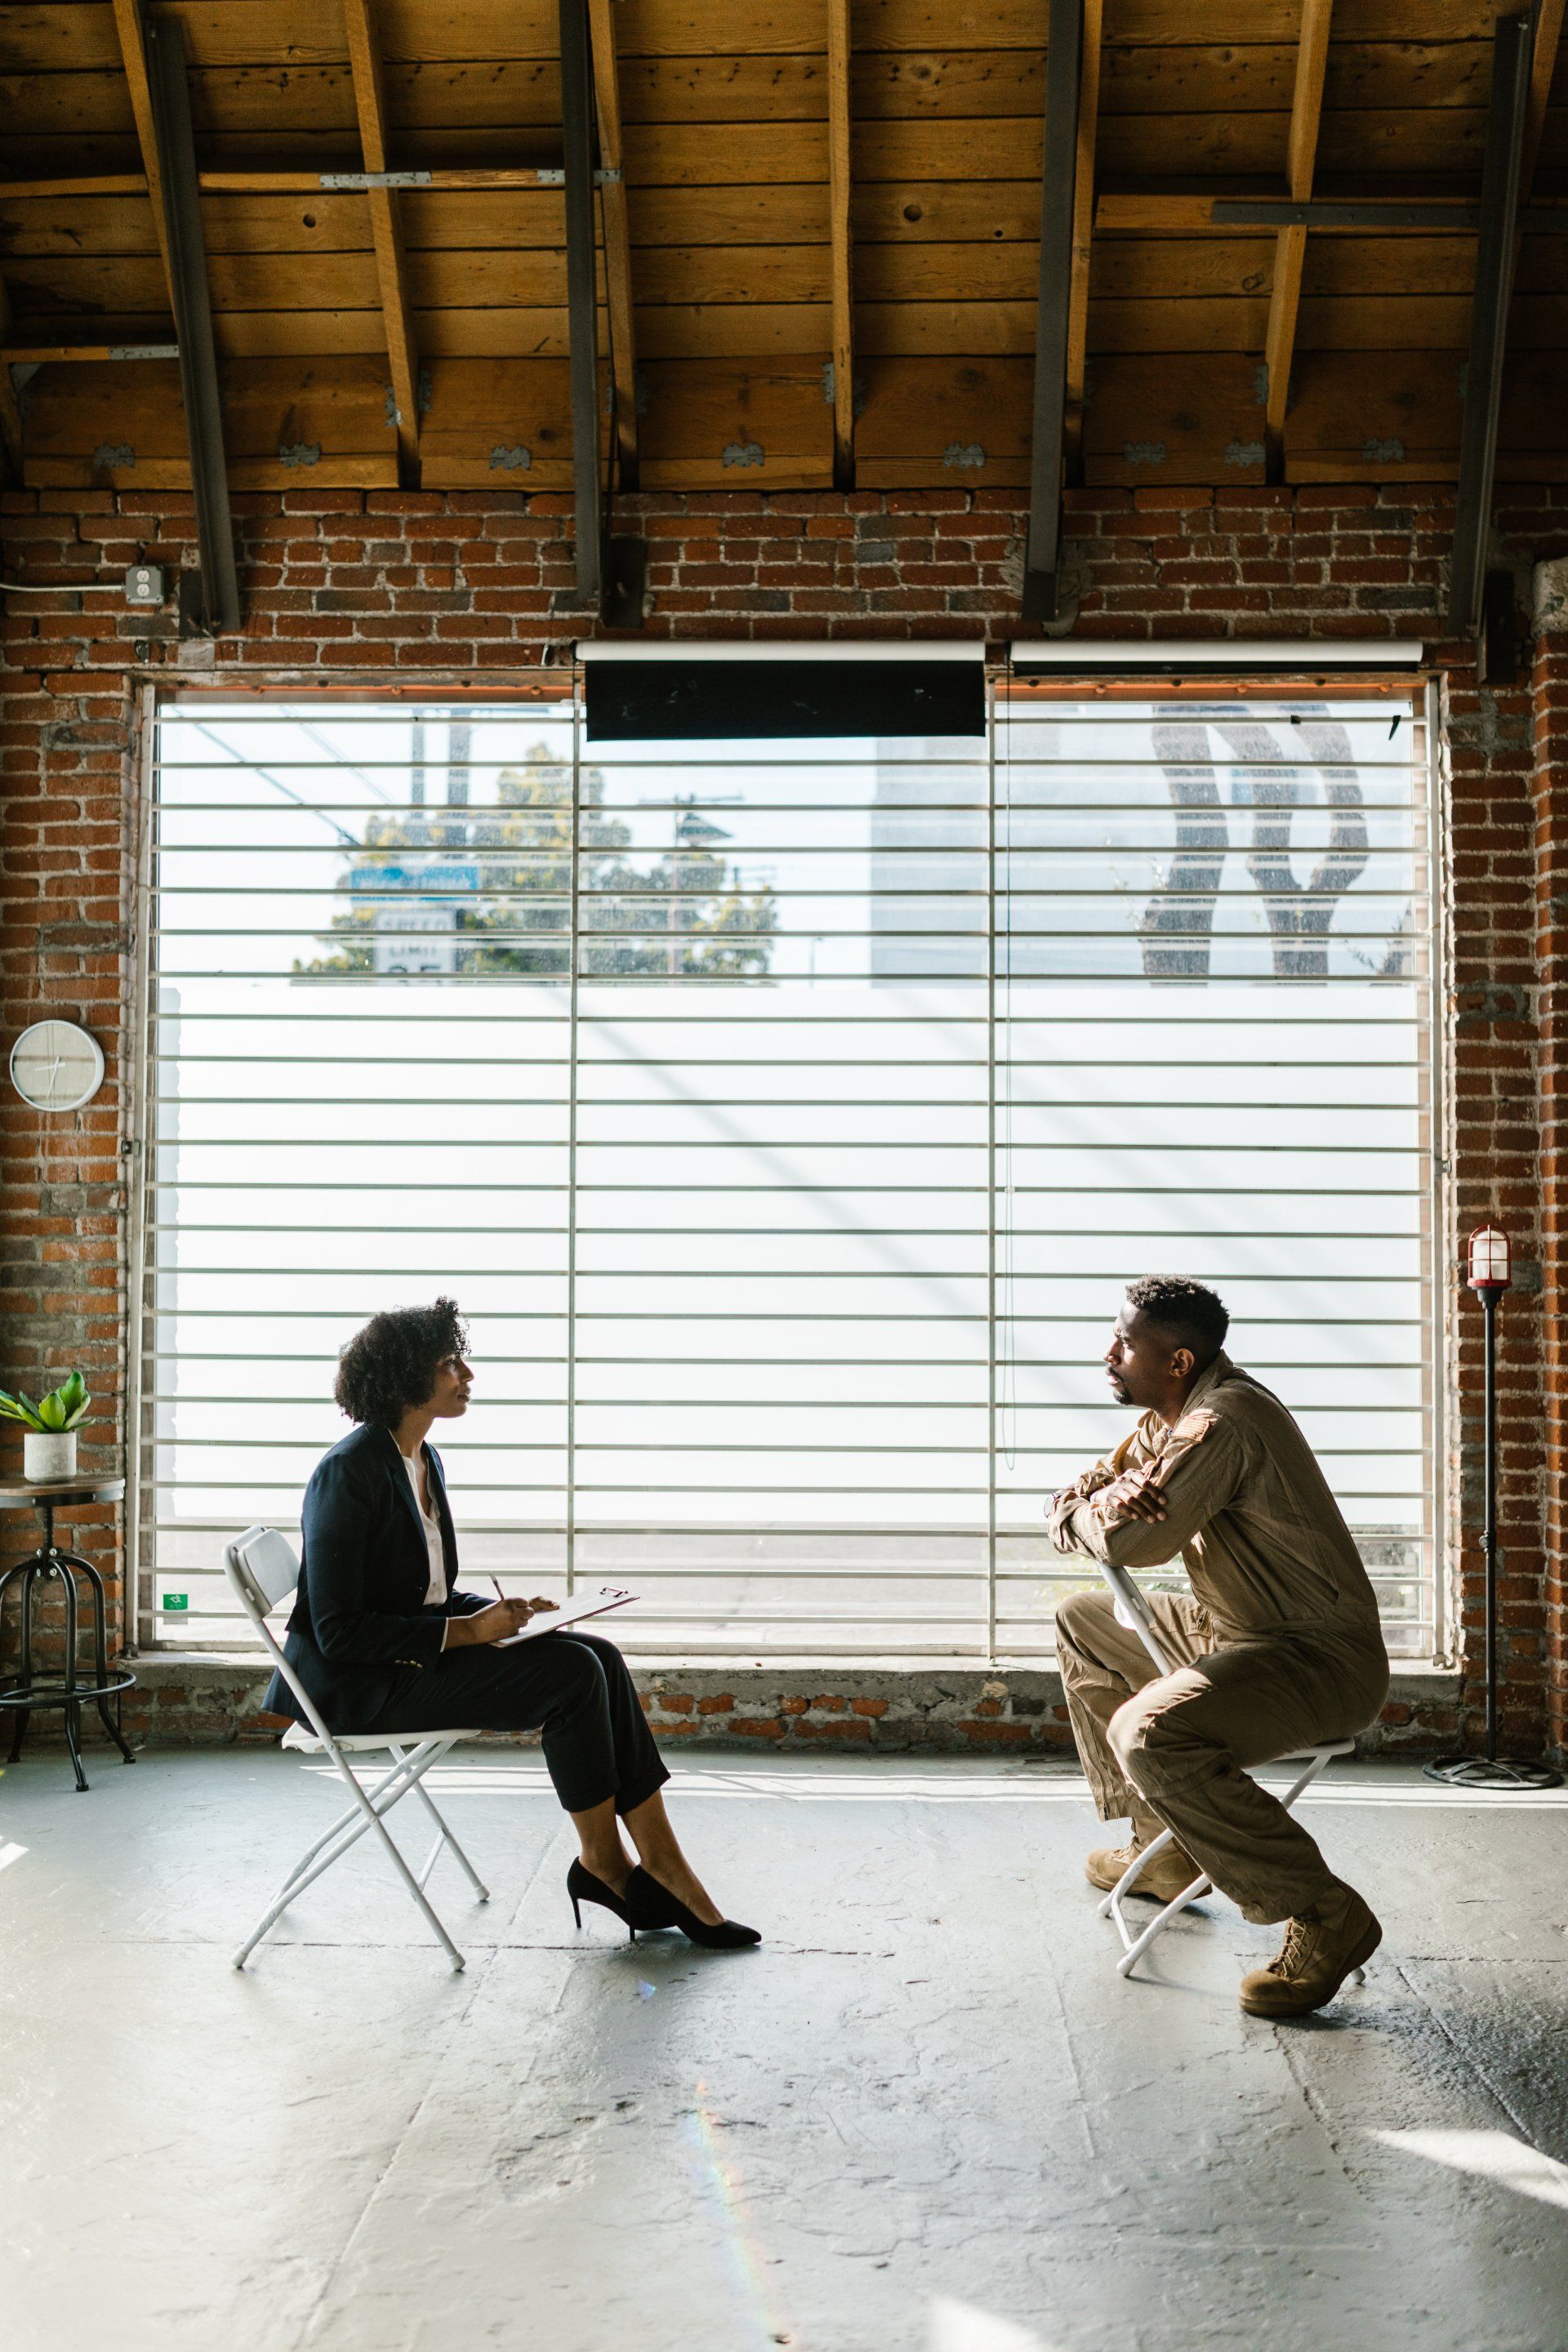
27,1689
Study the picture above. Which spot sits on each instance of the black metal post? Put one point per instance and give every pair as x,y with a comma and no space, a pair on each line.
219,612
581,293
1513,45
1059,187
1490,1771
1488,1527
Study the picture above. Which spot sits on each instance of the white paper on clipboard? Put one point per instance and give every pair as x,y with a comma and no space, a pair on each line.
586,1604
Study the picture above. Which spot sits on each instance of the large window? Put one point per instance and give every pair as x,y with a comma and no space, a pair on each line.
787,1117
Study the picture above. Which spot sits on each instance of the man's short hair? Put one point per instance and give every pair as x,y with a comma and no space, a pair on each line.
1192,1314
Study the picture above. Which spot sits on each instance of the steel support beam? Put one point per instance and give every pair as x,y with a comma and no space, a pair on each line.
10,408
582,294
216,608
841,241
1501,179
1064,69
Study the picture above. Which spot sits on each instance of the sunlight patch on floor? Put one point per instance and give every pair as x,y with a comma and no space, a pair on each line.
1489,2156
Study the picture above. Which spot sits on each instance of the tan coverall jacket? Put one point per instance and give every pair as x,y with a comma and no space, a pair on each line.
1280,1638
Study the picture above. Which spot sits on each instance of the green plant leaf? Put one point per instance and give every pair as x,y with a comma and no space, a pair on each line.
71,1391
20,1407
79,1414
51,1412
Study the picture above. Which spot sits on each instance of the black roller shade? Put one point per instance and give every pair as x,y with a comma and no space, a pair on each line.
658,701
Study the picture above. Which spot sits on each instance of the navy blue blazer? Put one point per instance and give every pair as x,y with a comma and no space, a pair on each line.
360,1615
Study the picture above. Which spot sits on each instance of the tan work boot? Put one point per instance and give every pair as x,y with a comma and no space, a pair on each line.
1170,1874
1320,1948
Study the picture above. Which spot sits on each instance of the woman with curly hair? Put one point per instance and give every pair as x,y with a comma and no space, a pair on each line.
382,1643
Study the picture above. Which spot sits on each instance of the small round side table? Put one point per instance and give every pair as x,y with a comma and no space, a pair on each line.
27,1689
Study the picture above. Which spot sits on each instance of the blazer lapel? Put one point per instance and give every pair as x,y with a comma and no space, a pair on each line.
444,1514
405,1484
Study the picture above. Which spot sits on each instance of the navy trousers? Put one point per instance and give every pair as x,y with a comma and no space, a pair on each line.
571,1686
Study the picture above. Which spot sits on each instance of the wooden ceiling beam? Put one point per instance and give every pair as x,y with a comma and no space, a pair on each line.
1291,245
841,251
1548,41
132,50
386,236
1082,235
1425,215
618,239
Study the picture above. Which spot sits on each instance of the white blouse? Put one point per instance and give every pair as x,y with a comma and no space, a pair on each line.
436,1591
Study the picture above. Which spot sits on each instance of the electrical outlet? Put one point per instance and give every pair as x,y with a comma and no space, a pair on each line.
144,584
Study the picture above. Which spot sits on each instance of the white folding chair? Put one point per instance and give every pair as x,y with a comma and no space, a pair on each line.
1133,1611
261,1566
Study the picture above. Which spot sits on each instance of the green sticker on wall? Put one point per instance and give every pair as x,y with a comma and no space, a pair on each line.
176,1600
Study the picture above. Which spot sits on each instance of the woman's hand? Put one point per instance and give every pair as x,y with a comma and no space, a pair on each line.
496,1623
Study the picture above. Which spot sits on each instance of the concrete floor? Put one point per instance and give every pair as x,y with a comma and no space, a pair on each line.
925,2116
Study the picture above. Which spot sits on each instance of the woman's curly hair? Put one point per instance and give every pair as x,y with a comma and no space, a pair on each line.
391,1364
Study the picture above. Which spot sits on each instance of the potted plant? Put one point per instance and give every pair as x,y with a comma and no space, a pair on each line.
49,1449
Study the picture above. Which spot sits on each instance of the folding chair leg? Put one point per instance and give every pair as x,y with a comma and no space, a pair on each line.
344,1833
296,1877
372,1808
1140,1944
446,1838
1136,1945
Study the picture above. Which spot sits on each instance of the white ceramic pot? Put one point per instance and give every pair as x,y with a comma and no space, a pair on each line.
50,1454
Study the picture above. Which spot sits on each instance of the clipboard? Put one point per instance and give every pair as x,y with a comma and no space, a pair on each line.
570,1612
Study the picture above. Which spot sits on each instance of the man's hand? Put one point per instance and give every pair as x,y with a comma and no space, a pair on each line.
496,1623
1135,1494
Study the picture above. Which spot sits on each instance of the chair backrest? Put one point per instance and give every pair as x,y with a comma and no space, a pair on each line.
1133,1611
261,1566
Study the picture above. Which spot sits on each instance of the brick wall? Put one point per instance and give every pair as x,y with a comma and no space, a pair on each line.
379,589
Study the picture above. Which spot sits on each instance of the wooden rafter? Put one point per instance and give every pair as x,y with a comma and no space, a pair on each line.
617,238
132,51
1291,245
840,243
386,234
1544,65
1082,235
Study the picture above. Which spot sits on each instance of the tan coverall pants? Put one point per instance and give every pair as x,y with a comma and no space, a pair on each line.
1168,1750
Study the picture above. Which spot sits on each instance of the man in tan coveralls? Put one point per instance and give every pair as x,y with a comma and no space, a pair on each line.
1280,1640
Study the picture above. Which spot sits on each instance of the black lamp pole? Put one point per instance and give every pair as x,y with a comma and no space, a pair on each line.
1489,1299
1490,1274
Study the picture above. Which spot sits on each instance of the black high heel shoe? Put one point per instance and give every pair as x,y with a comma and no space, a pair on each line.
653,1905
583,1888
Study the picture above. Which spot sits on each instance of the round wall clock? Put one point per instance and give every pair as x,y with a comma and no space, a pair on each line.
56,1066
